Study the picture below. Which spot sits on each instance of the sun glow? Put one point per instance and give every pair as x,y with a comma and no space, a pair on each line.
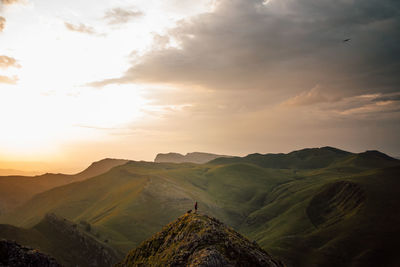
51,106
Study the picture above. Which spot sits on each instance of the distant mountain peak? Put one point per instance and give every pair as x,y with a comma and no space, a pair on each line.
198,240
192,157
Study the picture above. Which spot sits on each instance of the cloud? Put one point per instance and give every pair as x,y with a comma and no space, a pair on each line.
280,46
119,15
311,97
367,105
246,73
7,62
82,28
10,2
8,80
2,23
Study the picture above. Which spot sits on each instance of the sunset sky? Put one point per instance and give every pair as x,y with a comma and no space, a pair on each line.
85,80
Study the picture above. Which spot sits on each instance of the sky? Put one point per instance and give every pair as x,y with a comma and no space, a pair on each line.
85,80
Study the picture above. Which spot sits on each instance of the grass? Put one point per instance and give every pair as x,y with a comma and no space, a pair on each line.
70,243
310,207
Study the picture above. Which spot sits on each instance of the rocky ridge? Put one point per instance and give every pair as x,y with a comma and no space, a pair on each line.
198,240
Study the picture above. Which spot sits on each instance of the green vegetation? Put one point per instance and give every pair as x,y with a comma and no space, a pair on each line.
16,190
198,240
70,244
310,207
194,157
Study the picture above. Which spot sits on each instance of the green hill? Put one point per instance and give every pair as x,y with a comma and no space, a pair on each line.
309,158
16,190
70,243
310,207
132,201
194,157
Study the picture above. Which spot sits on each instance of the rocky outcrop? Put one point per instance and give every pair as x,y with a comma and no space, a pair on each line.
198,240
15,255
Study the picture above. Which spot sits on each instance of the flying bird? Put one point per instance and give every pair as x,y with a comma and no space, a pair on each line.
346,40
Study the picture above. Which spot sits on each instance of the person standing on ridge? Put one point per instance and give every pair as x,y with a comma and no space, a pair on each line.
195,207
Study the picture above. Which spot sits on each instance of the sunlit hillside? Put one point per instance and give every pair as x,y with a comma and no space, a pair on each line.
305,207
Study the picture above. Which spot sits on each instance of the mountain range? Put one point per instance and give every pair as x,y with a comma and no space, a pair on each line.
16,190
311,207
194,157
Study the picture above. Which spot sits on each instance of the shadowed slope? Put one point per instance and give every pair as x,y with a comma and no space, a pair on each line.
13,254
64,240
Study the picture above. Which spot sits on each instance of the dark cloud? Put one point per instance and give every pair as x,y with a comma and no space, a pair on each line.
278,76
8,80
283,45
119,15
82,28
7,62
2,23
365,105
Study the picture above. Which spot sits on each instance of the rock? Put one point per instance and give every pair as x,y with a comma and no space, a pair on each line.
14,255
198,240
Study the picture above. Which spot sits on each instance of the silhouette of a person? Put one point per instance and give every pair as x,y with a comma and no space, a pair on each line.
195,207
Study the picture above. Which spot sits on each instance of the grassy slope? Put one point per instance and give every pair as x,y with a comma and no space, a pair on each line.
367,233
69,243
131,202
15,190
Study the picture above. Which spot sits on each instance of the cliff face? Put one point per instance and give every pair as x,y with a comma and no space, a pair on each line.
13,254
198,240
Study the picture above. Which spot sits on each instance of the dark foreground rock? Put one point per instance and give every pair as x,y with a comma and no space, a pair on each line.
15,255
198,240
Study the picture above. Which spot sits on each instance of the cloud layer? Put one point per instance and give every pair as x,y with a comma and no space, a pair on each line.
282,45
81,28
8,80
120,15
2,23
10,2
7,62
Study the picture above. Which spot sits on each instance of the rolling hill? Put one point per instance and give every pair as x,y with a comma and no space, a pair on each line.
70,243
13,172
312,207
194,157
16,190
